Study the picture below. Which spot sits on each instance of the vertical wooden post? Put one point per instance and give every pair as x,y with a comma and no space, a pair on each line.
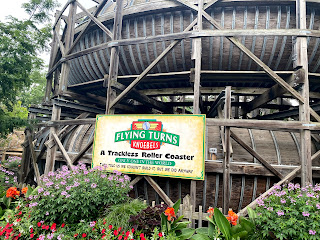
68,42
54,49
301,61
114,59
196,55
226,162
51,152
56,111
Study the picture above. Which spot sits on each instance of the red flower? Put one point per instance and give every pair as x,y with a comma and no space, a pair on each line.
84,235
20,213
31,235
39,224
103,231
110,227
63,224
76,235
141,235
170,213
115,232
132,230
210,211
103,236
31,230
53,226
47,227
160,234
120,237
127,233
19,219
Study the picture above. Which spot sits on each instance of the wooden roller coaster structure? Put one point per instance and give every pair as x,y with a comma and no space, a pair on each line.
251,66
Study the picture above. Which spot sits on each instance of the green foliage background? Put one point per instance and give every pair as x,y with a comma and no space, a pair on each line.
22,81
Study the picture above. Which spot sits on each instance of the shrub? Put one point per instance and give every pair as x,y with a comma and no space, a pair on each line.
71,195
118,215
148,219
290,212
12,162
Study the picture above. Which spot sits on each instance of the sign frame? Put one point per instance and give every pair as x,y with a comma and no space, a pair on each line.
153,117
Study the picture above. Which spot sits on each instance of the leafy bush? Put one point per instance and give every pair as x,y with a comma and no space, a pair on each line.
12,162
290,212
118,215
71,195
148,219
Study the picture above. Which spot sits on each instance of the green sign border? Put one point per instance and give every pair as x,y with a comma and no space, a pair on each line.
203,116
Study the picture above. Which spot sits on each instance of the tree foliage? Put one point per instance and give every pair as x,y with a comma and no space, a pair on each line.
20,43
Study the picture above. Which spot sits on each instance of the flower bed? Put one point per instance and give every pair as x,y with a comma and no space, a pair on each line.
94,204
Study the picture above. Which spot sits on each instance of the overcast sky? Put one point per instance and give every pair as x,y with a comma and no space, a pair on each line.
13,7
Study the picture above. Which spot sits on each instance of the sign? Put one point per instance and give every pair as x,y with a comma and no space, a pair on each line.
156,145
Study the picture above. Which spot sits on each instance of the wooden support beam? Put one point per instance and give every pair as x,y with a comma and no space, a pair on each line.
227,155
61,46
285,180
255,155
290,126
60,13
65,69
134,94
149,68
158,189
213,110
95,20
136,180
196,56
301,61
51,153
34,158
114,59
64,152
82,152
273,92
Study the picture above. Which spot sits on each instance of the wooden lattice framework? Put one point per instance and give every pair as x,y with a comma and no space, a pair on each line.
57,88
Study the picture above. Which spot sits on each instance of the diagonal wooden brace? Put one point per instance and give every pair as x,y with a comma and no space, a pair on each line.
64,152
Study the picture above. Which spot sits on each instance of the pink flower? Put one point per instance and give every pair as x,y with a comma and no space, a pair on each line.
305,214
280,213
312,232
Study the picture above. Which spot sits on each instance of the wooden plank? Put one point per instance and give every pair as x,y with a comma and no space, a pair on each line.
61,46
255,155
252,169
95,20
149,68
60,14
275,125
82,152
34,158
161,193
62,149
227,155
285,180
136,180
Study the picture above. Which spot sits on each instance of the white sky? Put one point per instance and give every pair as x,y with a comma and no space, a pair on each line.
13,7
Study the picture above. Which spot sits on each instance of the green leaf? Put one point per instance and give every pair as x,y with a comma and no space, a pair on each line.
30,190
177,220
222,223
211,229
6,201
240,235
236,229
247,225
200,237
252,214
186,233
202,230
176,206
180,225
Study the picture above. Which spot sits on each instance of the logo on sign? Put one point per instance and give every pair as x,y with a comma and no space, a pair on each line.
147,134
